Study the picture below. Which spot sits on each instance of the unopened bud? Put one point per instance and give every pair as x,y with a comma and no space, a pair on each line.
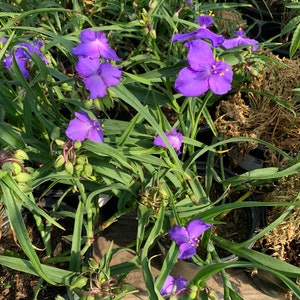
59,161
81,160
79,282
88,170
145,31
153,34
77,144
24,187
59,142
69,167
21,155
23,177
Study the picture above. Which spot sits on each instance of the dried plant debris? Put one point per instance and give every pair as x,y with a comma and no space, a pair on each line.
254,112
283,241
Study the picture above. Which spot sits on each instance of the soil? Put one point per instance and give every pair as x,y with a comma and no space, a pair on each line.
15,285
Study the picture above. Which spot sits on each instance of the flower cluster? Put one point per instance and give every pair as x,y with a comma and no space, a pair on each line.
205,72
97,74
22,56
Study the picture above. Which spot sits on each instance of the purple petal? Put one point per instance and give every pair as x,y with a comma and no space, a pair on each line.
168,286
220,82
94,44
184,36
205,20
110,75
186,250
87,66
77,130
200,55
192,83
196,227
95,85
158,141
179,234
96,133
180,283
215,39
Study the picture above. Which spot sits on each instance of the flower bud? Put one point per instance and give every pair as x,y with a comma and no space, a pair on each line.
69,167
153,34
78,169
79,282
88,170
25,188
59,161
21,155
59,142
23,177
145,31
81,160
13,167
77,144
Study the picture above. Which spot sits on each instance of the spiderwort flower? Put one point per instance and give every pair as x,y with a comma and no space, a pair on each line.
173,286
240,39
23,58
83,127
175,138
94,44
204,72
205,21
187,238
97,76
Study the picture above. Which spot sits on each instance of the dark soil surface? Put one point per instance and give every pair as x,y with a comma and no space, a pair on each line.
15,285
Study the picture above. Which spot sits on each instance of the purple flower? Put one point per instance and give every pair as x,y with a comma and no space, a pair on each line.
240,39
94,44
97,76
83,127
205,21
189,3
187,238
173,286
23,58
204,72
175,138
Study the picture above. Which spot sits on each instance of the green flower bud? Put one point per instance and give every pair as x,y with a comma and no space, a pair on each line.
59,142
13,167
69,167
81,160
88,170
77,144
145,31
79,282
78,169
23,177
88,103
66,87
25,188
59,161
153,34
21,155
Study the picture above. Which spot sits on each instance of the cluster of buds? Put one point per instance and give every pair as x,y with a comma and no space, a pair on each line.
146,20
74,164
13,162
153,197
